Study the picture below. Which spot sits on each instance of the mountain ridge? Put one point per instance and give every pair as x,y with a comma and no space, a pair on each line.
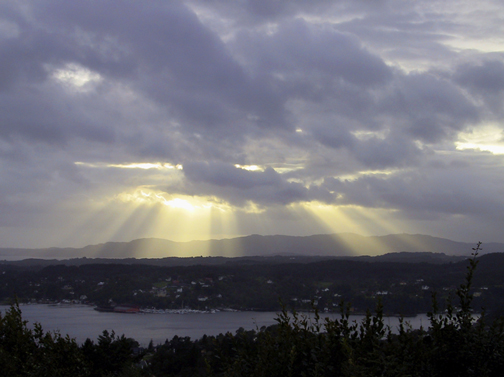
334,245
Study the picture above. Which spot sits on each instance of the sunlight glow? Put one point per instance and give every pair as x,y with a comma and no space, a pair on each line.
149,213
145,195
494,149
484,45
77,77
177,203
146,211
353,177
367,135
249,167
139,165
487,139
145,165
347,221
289,165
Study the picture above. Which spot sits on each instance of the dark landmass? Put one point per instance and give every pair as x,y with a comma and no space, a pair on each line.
302,272
407,257
327,245
403,281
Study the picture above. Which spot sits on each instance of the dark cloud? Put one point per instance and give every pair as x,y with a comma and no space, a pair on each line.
299,51
240,186
429,108
40,113
444,191
484,81
326,96
392,151
334,137
221,174
487,77
161,50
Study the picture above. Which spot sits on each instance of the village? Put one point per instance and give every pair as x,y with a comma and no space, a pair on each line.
180,290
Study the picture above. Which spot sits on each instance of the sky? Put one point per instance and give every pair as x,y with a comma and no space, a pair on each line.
210,119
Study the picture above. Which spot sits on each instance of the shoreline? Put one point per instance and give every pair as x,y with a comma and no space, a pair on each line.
198,311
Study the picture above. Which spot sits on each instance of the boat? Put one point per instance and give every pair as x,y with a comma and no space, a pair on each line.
125,308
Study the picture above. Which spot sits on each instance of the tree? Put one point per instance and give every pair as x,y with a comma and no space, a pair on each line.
31,352
112,355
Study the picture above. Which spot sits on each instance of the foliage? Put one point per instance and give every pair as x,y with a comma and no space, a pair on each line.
456,343
33,352
112,355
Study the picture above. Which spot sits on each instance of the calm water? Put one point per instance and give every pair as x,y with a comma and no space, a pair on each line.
81,322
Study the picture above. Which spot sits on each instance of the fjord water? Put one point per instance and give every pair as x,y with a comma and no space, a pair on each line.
82,322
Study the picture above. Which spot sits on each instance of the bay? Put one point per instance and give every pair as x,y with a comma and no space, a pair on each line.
82,322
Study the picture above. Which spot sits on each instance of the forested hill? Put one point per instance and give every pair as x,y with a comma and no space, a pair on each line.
404,287
402,257
333,245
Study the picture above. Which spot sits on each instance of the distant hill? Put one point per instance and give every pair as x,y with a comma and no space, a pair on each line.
326,245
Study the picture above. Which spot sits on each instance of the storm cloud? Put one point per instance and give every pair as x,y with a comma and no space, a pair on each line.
255,106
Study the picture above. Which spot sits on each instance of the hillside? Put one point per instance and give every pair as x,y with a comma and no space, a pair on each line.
328,245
